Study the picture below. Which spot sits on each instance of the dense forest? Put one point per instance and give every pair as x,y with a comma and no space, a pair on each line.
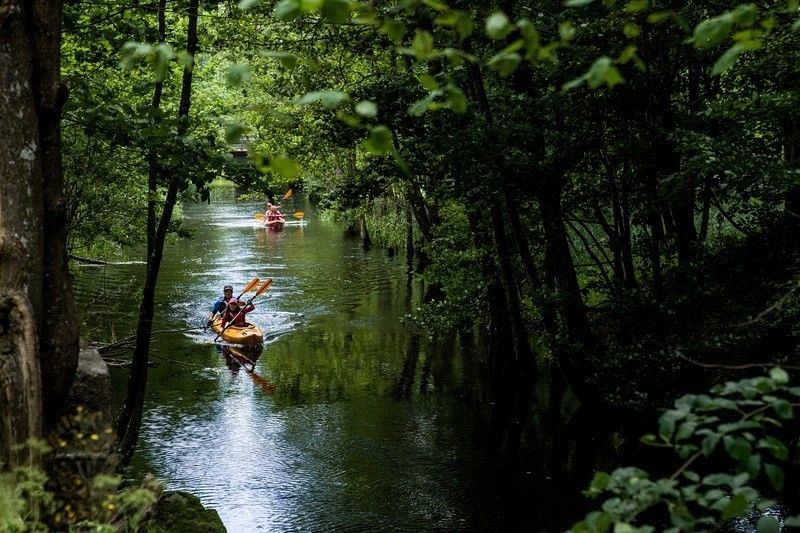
608,192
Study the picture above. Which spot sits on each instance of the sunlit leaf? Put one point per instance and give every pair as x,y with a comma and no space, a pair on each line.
379,140
368,109
498,26
286,167
328,99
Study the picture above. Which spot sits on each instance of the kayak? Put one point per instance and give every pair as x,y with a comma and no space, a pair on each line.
249,335
276,225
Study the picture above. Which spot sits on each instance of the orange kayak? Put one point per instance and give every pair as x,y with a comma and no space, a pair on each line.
248,335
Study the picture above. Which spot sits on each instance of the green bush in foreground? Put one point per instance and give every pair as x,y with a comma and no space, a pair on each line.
734,445
76,493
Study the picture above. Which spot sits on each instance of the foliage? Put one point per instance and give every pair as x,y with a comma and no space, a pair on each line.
78,492
734,443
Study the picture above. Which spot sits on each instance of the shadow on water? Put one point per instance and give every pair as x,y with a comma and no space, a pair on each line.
346,418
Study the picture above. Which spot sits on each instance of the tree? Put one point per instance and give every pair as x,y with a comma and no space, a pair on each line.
39,333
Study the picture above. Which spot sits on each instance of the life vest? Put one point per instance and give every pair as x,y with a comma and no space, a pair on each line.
237,317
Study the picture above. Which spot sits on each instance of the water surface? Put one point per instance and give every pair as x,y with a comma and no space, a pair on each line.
351,420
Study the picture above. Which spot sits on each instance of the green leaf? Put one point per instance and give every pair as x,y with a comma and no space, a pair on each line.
418,108
237,74
636,6
735,507
336,11
768,524
784,409
631,30
247,4
428,82
727,59
394,29
368,109
498,25
286,167
658,16
776,447
577,3
464,26
351,120
422,45
185,60
737,447
792,521
328,99
712,32
505,64
456,99
779,375
287,9
602,72
287,59
379,141
599,481
566,31
775,475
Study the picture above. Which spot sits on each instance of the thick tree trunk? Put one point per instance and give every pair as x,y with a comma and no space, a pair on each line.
570,301
38,340
130,419
59,323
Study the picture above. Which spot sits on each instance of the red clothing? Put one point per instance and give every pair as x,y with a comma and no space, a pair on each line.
236,316
274,215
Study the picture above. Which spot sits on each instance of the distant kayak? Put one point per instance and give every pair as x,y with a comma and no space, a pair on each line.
248,335
286,224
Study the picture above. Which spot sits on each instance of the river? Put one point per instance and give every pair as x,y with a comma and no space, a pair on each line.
351,420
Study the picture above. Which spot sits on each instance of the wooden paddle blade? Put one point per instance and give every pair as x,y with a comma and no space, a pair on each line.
299,215
264,287
250,286
261,216
288,194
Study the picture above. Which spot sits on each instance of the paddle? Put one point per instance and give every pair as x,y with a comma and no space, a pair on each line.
288,194
247,288
260,291
299,215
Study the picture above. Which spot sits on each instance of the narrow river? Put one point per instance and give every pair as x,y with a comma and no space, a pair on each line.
350,421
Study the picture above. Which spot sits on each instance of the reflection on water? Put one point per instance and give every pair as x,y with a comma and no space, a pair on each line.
344,419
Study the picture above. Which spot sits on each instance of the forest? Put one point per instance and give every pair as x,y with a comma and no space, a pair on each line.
539,269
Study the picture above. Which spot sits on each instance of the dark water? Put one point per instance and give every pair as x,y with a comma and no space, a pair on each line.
350,420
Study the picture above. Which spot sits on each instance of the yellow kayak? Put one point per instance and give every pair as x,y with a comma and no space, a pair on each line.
249,335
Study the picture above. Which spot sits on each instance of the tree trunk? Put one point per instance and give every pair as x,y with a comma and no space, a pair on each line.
409,239
570,301
130,419
152,155
39,342
549,318
363,231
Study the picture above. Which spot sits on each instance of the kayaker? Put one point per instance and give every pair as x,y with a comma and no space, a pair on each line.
273,216
221,303
234,313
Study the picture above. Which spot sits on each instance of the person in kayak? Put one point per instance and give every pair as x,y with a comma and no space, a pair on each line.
273,216
235,314
220,305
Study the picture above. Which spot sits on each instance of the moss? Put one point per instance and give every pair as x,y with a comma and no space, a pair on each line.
181,511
